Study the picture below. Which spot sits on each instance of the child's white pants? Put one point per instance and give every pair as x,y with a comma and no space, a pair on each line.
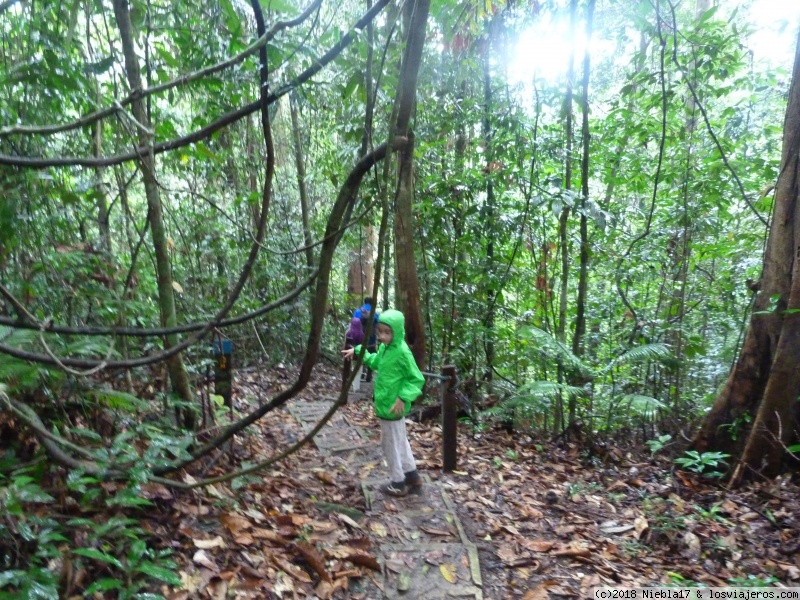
396,449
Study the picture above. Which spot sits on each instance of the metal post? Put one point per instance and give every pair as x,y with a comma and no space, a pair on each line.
449,420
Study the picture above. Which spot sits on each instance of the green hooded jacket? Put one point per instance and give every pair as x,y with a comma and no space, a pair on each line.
398,375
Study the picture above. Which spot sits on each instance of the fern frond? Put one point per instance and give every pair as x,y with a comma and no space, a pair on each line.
549,389
640,354
550,347
642,405
20,338
499,410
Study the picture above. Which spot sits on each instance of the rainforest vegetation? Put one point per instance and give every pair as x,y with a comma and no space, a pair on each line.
588,207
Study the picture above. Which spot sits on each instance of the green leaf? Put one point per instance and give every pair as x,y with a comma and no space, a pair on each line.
157,572
232,20
98,555
119,400
101,66
202,150
104,585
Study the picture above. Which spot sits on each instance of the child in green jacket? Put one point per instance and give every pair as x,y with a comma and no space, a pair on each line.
398,383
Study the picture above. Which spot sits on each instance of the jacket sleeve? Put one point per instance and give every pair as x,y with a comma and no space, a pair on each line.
371,360
413,382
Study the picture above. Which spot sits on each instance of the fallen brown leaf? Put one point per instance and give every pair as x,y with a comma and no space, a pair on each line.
235,523
572,551
540,591
216,542
435,531
378,528
201,558
293,570
538,545
269,535
314,558
325,477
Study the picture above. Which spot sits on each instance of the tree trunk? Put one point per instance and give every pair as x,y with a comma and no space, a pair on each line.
487,216
764,385
408,284
179,378
682,245
361,268
301,181
563,220
583,275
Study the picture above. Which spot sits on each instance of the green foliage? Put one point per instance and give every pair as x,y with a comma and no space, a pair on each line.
23,376
537,397
712,514
548,347
31,541
699,462
753,581
735,428
678,580
658,444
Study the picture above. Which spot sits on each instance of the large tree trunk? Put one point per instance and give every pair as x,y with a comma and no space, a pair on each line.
407,281
765,383
179,378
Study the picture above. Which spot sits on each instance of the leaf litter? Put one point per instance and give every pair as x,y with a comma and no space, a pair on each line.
552,521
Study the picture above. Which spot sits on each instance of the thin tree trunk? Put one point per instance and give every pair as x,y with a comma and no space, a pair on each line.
488,214
101,201
682,250
583,276
301,181
408,283
561,326
179,378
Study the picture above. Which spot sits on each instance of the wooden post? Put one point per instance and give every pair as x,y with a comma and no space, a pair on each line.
223,373
449,420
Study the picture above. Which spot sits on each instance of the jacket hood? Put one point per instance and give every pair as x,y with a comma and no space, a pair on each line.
395,320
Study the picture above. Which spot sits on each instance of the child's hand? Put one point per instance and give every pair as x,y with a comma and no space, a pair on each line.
399,408
348,354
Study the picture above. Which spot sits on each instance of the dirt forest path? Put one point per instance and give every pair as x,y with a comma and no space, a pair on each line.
520,517
422,546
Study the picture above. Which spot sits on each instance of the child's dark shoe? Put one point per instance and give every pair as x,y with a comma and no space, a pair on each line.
398,489
413,482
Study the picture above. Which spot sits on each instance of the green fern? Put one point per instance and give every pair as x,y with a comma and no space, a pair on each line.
119,400
549,389
645,406
20,338
546,345
19,375
638,354
89,348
